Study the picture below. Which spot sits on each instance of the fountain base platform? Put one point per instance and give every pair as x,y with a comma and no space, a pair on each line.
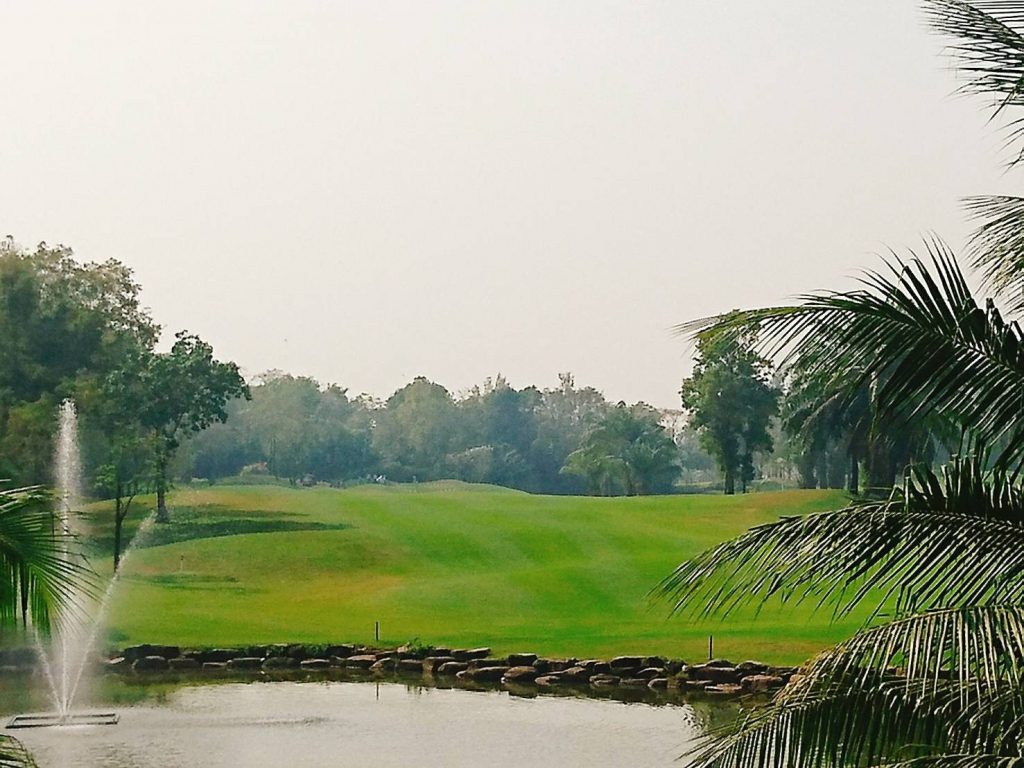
74,718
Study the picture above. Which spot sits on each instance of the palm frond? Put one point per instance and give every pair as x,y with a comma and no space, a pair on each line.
988,50
916,333
946,539
904,559
996,247
975,645
960,761
39,571
13,754
965,485
839,724
849,720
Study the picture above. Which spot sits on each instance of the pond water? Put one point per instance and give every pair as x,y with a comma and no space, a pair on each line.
367,724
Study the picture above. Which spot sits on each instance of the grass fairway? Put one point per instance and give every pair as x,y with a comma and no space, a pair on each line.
450,564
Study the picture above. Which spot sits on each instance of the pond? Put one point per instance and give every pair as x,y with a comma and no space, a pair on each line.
316,724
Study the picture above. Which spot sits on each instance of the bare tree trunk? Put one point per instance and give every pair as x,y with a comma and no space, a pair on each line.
162,515
118,521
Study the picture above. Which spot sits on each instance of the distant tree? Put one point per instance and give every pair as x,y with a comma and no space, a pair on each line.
473,465
340,437
601,471
564,417
502,420
732,402
221,450
829,431
695,463
112,410
415,431
298,428
183,392
628,452
834,422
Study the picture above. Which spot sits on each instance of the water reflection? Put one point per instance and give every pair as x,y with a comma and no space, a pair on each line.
381,724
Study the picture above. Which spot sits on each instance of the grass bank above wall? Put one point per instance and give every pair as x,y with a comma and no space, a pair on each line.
450,564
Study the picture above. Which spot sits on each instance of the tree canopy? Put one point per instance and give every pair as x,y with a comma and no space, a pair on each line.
733,401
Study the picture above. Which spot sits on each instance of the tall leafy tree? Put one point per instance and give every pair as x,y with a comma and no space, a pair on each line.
415,431
144,409
63,327
732,402
185,390
943,552
497,431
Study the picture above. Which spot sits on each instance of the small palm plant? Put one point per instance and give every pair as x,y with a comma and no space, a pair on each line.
941,683
38,576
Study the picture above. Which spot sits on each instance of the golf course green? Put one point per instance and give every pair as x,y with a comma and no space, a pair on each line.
447,564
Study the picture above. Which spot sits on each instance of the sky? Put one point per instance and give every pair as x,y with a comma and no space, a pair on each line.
364,192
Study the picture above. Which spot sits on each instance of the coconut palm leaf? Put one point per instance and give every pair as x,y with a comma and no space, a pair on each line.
949,539
996,248
39,572
960,761
838,724
989,49
975,645
916,334
905,560
965,485
841,722
13,754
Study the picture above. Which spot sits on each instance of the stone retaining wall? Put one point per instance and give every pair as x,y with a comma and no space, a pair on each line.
470,667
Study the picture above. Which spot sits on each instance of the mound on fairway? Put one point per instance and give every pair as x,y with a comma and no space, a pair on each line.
450,564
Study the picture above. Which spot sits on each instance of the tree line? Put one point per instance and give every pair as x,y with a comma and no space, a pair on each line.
74,330
566,439
79,331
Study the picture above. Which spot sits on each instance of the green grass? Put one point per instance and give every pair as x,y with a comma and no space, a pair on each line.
452,565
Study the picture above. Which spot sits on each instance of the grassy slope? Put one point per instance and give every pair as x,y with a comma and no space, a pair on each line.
457,565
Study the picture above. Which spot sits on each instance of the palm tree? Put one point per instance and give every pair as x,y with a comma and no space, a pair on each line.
37,577
942,684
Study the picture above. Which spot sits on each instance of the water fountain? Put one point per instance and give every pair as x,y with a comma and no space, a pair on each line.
67,655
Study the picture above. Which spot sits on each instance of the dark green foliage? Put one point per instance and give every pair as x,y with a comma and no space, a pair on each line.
415,431
917,336
295,429
732,401
63,326
13,754
37,578
627,453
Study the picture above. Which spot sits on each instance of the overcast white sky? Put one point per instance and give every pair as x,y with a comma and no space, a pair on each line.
365,192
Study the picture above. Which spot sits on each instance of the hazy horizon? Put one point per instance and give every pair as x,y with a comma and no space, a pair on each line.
367,192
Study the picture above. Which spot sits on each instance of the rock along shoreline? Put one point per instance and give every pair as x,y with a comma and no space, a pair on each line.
653,678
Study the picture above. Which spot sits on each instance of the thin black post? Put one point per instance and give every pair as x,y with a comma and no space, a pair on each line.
711,647
376,631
